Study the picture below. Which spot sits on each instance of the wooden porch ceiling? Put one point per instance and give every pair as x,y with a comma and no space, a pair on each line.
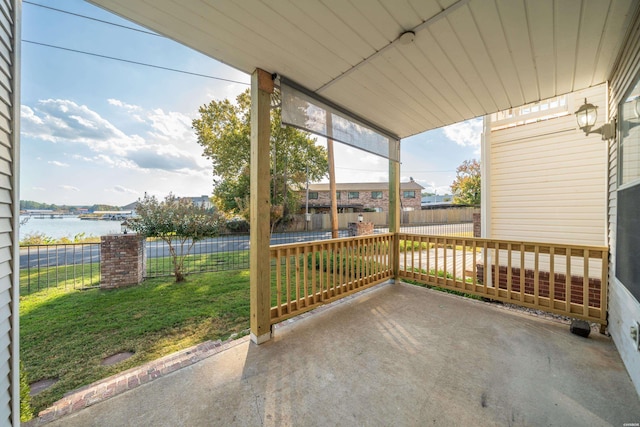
468,58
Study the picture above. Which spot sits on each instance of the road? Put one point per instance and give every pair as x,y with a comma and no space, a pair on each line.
90,252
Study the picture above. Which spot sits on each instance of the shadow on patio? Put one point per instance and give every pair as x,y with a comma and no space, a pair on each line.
392,355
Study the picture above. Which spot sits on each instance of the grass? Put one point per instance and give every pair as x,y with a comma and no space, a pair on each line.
65,333
82,276
441,274
201,262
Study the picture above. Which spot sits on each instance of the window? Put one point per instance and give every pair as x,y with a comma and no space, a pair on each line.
627,269
410,194
313,195
629,141
376,194
353,195
337,195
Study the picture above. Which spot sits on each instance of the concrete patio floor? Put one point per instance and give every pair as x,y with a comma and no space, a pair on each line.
395,355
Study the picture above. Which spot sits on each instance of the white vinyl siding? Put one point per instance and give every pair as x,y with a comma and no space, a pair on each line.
548,181
624,309
9,128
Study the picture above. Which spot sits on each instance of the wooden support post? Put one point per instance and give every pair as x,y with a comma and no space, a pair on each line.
394,205
260,207
332,179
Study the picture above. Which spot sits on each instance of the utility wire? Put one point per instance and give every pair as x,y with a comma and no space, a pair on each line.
403,171
135,62
92,19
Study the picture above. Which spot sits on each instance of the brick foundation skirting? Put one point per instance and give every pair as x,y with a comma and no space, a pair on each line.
576,284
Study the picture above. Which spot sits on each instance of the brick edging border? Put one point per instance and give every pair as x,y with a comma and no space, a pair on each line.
130,379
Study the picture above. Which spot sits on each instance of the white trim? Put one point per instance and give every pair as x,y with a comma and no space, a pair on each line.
15,177
485,192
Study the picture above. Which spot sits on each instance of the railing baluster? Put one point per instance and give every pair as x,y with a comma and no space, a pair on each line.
585,283
522,272
279,282
297,258
552,277
567,280
509,272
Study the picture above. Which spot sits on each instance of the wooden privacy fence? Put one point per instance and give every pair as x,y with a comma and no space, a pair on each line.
307,275
565,279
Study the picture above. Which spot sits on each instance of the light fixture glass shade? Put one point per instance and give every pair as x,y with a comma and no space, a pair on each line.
586,115
636,107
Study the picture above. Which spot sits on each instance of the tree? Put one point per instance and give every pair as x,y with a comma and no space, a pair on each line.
178,222
224,131
466,186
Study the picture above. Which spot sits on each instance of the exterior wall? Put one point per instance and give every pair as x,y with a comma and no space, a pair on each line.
9,210
364,200
624,309
548,180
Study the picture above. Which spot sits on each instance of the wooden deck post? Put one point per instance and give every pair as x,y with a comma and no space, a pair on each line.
394,204
260,207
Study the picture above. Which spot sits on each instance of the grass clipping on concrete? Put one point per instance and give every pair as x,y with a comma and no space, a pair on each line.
65,334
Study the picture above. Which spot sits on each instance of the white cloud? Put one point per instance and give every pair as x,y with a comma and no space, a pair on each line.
128,107
465,133
61,120
69,187
121,189
170,143
171,125
38,188
57,163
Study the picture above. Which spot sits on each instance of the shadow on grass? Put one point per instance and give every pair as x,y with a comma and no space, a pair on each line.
65,334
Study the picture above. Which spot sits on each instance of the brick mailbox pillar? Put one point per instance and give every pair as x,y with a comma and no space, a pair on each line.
360,228
477,228
123,260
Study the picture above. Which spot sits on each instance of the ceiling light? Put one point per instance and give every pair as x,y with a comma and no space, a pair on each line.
407,37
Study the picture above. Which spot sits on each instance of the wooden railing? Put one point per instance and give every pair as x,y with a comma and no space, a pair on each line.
564,279
307,275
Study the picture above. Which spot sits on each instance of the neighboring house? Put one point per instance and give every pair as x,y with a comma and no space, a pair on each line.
202,201
361,197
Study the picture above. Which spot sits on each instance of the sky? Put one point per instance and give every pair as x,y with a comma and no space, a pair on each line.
95,130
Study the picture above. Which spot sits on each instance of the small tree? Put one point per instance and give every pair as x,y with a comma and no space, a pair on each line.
178,222
466,186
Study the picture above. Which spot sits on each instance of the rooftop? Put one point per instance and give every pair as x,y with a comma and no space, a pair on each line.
364,186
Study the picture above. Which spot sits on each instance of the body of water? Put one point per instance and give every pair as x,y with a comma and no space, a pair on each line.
67,227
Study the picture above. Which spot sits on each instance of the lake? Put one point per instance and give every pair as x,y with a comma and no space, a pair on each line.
67,227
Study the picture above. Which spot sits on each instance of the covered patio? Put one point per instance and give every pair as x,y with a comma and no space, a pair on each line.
395,354
392,353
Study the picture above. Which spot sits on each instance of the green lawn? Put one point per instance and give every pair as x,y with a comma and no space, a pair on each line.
65,333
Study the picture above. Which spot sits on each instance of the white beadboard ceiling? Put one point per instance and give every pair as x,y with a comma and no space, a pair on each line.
468,58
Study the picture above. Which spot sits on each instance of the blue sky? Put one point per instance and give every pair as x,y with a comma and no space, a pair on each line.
95,130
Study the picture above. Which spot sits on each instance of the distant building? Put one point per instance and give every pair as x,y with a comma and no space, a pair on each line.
446,199
203,201
361,197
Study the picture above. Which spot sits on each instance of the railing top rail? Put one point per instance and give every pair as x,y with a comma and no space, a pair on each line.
513,242
60,244
325,241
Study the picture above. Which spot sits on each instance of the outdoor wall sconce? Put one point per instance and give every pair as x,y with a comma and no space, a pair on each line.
360,218
124,228
587,115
